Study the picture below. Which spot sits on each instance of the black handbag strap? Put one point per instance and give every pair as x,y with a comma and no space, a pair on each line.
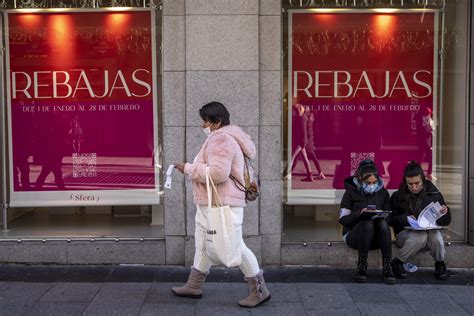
237,183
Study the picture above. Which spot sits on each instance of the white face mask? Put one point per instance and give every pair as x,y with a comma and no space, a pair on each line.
207,130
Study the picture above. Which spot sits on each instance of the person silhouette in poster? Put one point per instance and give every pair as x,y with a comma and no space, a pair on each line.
52,138
21,166
311,142
75,132
300,141
22,148
424,131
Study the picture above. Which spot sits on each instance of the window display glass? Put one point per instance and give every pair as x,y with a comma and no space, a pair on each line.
380,81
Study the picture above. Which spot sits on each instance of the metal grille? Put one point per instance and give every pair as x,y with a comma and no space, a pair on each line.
294,4
45,4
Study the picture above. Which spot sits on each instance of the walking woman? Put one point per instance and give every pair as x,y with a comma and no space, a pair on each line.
365,229
223,154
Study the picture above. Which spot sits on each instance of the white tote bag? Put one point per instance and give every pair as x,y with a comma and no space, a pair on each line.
223,243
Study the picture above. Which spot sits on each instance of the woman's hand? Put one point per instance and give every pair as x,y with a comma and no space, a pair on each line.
180,166
444,210
365,209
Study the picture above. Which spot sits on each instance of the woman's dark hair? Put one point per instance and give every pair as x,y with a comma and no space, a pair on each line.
413,169
215,112
366,169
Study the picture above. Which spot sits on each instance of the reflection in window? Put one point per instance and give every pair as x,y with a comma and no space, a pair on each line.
384,85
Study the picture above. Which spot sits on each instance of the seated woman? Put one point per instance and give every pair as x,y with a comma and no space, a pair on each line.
415,193
365,229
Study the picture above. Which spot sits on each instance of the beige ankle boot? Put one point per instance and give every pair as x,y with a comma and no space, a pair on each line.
259,293
193,288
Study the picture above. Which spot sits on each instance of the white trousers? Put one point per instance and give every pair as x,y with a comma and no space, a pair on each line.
203,263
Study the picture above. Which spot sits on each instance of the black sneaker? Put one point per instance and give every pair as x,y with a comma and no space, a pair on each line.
441,273
398,269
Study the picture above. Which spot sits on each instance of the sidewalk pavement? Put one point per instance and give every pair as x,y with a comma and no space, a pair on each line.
145,290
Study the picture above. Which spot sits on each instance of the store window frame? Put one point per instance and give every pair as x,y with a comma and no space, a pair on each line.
300,5
84,6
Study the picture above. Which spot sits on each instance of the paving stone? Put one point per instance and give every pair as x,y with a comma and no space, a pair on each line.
23,292
284,309
224,308
160,292
326,299
463,295
118,299
166,309
283,292
14,308
385,309
224,292
439,302
374,293
124,287
17,298
71,292
57,308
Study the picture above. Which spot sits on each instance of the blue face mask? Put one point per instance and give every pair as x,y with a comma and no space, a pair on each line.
369,188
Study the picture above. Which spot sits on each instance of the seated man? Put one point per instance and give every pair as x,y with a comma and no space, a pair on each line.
415,193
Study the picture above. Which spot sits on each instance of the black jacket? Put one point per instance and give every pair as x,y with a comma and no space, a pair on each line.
405,203
355,200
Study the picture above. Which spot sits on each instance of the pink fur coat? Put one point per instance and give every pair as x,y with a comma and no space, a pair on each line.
223,152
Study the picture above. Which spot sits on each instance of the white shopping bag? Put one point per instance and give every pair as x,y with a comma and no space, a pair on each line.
223,243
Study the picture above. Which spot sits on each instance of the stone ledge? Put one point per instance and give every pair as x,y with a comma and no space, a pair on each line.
459,255
83,252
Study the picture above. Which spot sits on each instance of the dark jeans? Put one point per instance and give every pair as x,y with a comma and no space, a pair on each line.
371,234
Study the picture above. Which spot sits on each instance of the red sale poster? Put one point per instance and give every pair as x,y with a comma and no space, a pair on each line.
362,85
82,107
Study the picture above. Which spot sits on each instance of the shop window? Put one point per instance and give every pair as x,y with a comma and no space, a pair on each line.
380,80
82,120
